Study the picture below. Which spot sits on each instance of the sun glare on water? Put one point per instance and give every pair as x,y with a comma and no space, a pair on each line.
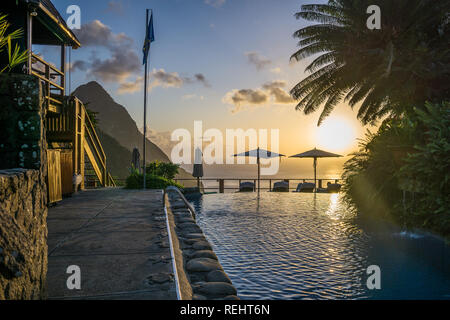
335,134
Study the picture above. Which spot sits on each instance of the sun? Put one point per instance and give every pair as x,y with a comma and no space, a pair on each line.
336,134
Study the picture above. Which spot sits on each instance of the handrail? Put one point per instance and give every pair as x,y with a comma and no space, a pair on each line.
91,127
93,140
47,76
48,80
112,182
101,158
221,182
47,64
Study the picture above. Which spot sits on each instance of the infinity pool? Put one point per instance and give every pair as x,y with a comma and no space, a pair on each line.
307,246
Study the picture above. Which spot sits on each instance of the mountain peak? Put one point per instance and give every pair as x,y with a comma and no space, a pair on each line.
115,121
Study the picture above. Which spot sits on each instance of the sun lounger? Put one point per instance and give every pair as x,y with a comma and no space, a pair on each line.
247,187
282,186
334,188
305,187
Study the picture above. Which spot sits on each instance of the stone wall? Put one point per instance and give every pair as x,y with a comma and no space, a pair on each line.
22,119
23,235
23,191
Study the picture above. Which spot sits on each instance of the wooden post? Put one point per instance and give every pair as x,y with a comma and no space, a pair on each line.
47,84
221,186
75,145
63,69
29,41
82,129
320,183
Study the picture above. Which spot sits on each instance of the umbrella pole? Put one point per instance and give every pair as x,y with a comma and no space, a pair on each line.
315,174
259,172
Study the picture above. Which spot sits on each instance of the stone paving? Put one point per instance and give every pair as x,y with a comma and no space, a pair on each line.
119,240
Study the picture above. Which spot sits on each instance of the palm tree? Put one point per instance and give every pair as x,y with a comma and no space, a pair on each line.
15,57
387,71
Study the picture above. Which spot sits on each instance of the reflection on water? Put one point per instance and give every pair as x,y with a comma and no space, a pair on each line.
307,246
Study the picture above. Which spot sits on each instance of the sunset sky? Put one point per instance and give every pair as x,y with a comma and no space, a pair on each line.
225,62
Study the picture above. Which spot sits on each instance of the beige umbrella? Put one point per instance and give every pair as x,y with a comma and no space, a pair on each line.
315,154
260,153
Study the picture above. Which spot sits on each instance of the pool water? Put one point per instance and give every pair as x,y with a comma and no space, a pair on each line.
308,246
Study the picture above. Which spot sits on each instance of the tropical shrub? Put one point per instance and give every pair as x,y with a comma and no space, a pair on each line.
136,181
429,169
164,169
402,171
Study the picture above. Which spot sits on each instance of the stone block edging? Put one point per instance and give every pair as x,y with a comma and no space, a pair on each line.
198,273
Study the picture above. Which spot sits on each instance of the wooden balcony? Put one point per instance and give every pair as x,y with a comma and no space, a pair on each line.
53,80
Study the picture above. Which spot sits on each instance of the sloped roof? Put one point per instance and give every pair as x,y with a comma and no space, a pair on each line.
49,10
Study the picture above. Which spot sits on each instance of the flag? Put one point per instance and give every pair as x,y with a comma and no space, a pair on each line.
149,38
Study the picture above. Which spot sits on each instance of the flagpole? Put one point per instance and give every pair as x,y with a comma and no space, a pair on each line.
145,108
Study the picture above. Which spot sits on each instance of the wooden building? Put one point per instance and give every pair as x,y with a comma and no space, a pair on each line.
73,145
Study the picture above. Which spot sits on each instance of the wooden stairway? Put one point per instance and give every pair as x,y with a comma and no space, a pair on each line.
73,125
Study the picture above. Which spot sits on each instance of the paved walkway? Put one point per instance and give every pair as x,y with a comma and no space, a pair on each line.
119,240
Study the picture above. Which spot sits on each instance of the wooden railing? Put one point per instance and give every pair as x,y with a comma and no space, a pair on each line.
266,184
73,125
54,90
94,151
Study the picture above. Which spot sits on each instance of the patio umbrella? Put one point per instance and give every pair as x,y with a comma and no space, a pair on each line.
315,154
198,166
136,159
259,154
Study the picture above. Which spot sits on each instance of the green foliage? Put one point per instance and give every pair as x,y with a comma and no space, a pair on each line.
15,57
412,154
370,180
164,169
384,71
136,181
92,115
429,168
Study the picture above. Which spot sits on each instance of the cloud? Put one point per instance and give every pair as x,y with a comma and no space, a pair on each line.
123,61
95,33
166,79
202,79
270,92
121,65
276,70
116,7
131,87
245,97
257,60
192,96
275,88
161,78
79,65
215,3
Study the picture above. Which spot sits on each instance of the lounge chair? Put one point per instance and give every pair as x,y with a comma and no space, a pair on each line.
305,187
334,187
247,187
282,186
